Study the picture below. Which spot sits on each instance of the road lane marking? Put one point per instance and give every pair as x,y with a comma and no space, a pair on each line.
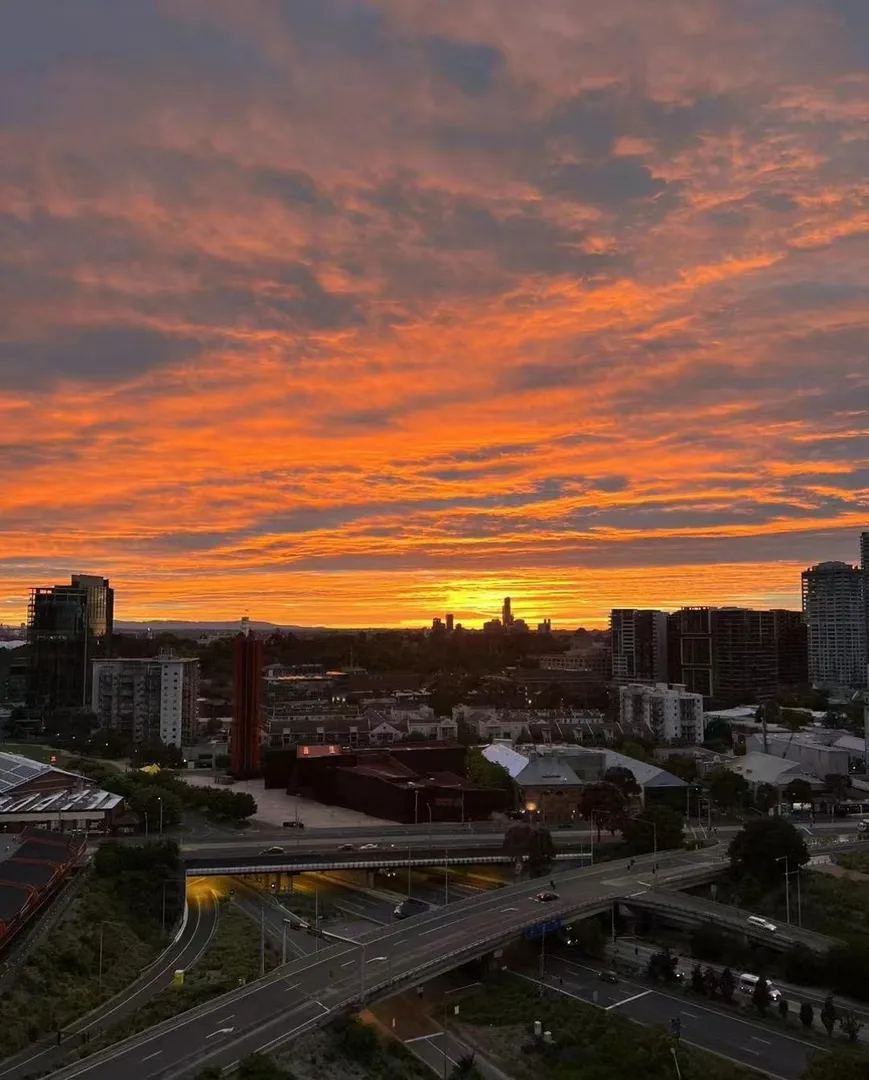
757,1038
434,930
349,962
223,1021
293,986
221,1031
506,909
155,1054
693,1016
626,1001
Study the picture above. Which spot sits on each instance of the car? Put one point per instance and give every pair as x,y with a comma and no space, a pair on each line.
608,976
546,897
345,847
863,825
275,850
764,924
369,847
294,824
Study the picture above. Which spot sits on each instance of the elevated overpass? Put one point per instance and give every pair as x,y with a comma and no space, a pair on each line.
389,860
310,992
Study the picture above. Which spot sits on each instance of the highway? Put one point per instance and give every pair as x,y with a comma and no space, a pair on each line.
695,911
183,953
636,954
741,1040
305,993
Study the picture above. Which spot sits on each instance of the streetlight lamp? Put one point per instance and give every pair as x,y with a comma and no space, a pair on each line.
784,859
102,927
287,922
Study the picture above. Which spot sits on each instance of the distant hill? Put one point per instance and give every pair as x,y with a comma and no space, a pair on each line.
177,626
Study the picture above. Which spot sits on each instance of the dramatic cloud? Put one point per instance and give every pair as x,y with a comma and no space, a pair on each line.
354,312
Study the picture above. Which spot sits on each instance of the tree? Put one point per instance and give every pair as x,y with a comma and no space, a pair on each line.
662,965
536,843
829,1016
623,779
634,750
259,1067
765,798
710,982
154,800
846,968
487,774
682,765
838,785
761,997
718,733
783,1008
727,789
756,847
708,943
465,1066
850,1025
602,804
807,1015
657,825
799,791
842,1063
727,985
697,984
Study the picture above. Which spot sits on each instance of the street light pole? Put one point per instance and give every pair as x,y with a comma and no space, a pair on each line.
262,942
145,812
784,859
446,878
160,801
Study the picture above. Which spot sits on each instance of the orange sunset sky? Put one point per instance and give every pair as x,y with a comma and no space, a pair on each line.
353,313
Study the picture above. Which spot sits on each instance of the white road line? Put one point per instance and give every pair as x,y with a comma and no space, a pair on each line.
155,1054
223,1021
757,1038
293,986
418,1038
434,930
626,1001
693,1016
349,962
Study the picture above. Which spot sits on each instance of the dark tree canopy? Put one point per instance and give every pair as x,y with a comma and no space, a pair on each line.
755,849
657,827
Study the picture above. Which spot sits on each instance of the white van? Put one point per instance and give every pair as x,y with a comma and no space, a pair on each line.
747,984
764,924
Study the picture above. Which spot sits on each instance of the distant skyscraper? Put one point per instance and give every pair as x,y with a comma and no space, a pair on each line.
245,734
835,609
67,626
639,645
450,622
506,613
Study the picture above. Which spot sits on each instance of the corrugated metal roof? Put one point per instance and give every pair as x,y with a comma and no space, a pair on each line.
16,770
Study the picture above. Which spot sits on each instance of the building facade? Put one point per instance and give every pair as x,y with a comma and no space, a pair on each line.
834,604
67,626
148,699
737,653
247,722
673,714
639,645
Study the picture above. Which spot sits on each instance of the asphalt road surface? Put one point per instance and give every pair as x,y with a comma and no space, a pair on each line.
742,1041
431,1050
185,953
636,952
273,1011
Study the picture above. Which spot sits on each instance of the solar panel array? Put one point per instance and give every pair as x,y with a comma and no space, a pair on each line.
15,770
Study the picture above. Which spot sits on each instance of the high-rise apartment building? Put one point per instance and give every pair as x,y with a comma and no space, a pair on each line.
507,613
834,604
639,645
792,647
246,732
728,653
864,566
67,626
148,699
672,713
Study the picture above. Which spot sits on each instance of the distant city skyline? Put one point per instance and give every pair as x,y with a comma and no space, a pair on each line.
357,313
